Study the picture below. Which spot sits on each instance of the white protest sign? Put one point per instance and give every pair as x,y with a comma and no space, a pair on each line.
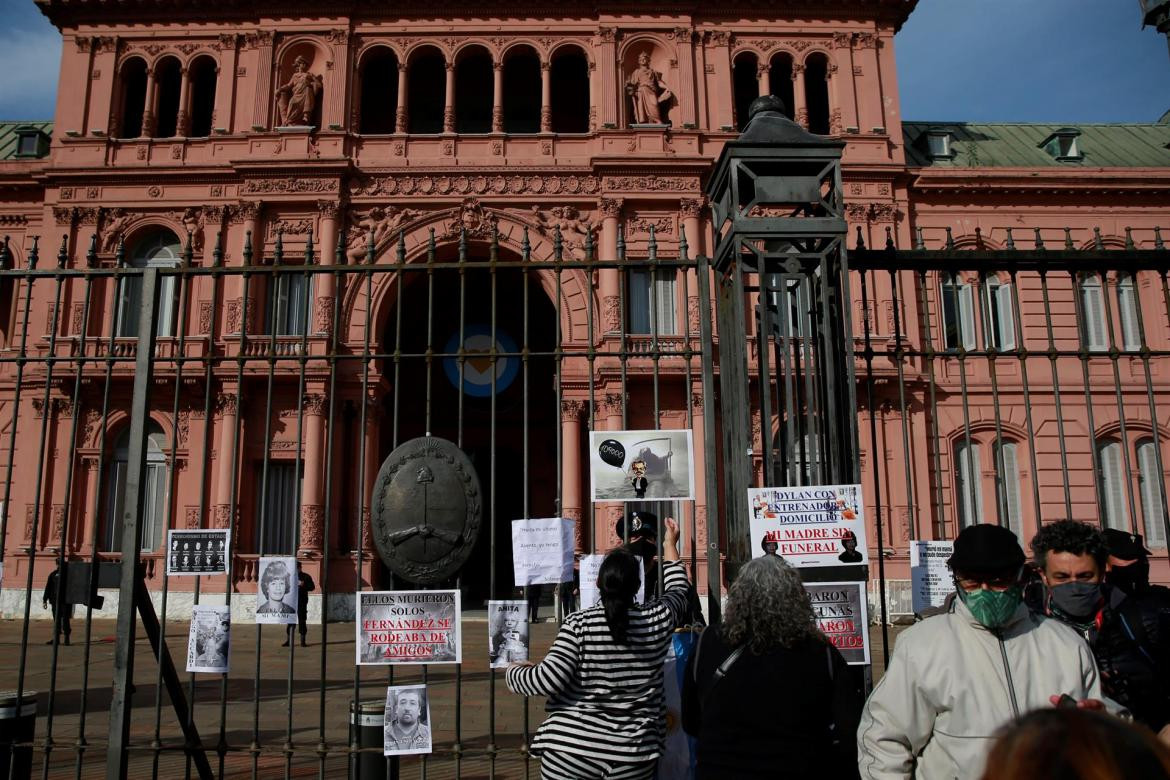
590,595
930,577
542,551
820,525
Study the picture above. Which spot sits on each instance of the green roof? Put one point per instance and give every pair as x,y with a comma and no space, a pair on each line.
8,137
1004,145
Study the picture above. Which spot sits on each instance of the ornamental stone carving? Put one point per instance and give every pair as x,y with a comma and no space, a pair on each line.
611,207
291,186
472,183
691,208
572,410
312,523
651,183
573,225
383,222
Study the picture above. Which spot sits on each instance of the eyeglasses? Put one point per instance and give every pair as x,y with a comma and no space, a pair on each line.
998,582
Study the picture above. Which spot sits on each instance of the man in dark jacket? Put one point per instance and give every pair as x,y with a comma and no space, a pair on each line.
1129,632
304,585
643,542
55,594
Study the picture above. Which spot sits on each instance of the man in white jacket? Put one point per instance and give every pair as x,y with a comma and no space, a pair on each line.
955,678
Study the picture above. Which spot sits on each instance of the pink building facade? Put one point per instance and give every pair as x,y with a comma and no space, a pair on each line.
189,121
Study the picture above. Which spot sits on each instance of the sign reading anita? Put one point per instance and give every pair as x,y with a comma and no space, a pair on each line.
408,627
822,525
840,610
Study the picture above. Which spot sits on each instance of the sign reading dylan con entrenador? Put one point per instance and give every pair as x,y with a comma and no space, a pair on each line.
820,525
408,627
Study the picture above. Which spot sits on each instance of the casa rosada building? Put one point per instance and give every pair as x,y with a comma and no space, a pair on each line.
269,122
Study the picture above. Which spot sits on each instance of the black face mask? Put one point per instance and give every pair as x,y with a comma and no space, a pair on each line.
1129,578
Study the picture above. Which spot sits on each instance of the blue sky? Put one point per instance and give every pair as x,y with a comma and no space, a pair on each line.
974,60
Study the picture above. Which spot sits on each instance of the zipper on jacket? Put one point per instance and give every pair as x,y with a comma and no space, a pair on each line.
1011,686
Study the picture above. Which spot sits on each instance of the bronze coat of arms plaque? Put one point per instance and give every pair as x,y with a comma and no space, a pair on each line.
426,510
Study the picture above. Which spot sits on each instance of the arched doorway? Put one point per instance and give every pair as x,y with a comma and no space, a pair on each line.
434,310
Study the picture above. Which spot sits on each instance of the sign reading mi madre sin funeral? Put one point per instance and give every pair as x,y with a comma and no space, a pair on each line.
821,525
408,627
841,614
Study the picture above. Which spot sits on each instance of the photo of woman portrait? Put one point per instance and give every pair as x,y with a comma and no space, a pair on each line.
277,597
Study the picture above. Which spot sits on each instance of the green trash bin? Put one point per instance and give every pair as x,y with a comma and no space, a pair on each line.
367,722
17,724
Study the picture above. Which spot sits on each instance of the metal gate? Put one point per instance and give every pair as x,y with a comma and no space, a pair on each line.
161,390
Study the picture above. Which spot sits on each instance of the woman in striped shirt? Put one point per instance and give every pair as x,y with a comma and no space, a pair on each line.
603,675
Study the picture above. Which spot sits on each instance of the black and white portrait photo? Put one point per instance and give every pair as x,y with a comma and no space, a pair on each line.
276,599
507,633
641,465
408,721
196,552
209,639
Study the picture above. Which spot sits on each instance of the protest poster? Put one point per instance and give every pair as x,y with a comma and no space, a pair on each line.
276,591
507,633
930,577
821,525
408,721
195,552
209,639
841,613
590,566
542,551
408,627
641,465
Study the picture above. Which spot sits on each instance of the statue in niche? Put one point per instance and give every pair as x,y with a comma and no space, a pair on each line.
382,221
296,100
648,93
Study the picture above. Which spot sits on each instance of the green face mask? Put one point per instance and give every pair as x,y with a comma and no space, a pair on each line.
990,607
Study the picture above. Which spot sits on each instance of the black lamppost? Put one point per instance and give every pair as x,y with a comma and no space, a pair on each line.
780,249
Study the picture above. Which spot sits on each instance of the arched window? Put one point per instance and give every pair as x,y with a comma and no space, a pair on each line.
1093,328
154,515
379,92
780,79
816,93
159,249
133,85
426,91
569,81
203,77
746,86
1007,484
522,91
474,91
968,496
1152,484
168,78
1111,485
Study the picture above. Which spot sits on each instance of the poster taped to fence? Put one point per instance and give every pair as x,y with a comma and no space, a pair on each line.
209,639
542,551
930,577
507,633
408,721
276,594
641,465
195,552
842,615
408,627
590,566
821,525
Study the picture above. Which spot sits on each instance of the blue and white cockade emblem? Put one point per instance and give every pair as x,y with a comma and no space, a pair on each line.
477,368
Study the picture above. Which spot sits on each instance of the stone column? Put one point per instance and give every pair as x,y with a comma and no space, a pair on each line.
764,76
691,210
323,283
90,464
247,213
800,111
846,97
312,510
545,97
449,103
400,117
148,112
183,122
609,279
498,97
226,416
571,411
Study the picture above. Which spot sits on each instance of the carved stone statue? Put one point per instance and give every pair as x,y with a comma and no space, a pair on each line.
572,224
648,93
296,100
383,221
193,223
116,222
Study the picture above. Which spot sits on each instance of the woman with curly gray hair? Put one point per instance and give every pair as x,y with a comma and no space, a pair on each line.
766,693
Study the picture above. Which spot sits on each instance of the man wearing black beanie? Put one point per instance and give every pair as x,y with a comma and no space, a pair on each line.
956,677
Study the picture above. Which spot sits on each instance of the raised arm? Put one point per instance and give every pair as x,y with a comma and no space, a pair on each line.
674,577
